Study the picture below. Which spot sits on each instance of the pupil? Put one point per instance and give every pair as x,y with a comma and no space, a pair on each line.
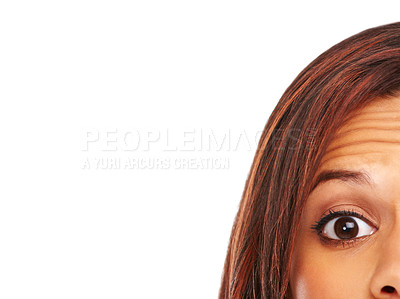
346,228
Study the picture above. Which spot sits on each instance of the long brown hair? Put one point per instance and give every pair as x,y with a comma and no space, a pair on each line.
343,79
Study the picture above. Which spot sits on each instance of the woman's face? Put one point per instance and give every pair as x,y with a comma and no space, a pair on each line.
348,245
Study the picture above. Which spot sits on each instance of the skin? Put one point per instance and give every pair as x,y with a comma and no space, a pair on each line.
367,266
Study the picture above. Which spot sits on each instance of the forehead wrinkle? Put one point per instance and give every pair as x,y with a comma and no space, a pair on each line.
380,106
360,147
365,114
396,127
380,110
371,130
385,122
360,142
356,134
356,125
325,160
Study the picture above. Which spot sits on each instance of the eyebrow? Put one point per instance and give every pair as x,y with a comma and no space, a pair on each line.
357,177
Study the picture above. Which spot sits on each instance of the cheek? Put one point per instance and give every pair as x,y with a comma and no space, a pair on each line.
317,272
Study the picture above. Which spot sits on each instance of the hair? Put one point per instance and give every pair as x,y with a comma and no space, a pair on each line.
322,97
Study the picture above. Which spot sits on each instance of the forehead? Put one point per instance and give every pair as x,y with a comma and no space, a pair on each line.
371,137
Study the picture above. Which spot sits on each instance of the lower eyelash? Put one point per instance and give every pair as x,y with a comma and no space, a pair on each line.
340,243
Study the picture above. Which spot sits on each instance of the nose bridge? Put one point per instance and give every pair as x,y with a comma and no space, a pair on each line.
385,281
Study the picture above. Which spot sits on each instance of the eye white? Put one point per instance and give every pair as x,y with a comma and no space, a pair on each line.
364,229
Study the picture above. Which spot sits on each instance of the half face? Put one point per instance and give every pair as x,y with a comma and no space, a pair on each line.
348,245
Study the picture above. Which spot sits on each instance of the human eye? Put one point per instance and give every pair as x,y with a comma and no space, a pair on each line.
343,228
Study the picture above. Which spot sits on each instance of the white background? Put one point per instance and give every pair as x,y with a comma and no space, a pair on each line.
72,71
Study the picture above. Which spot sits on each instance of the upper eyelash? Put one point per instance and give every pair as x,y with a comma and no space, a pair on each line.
332,215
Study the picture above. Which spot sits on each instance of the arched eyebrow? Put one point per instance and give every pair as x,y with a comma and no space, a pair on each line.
357,177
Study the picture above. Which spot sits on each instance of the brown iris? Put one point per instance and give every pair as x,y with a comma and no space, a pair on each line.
346,228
